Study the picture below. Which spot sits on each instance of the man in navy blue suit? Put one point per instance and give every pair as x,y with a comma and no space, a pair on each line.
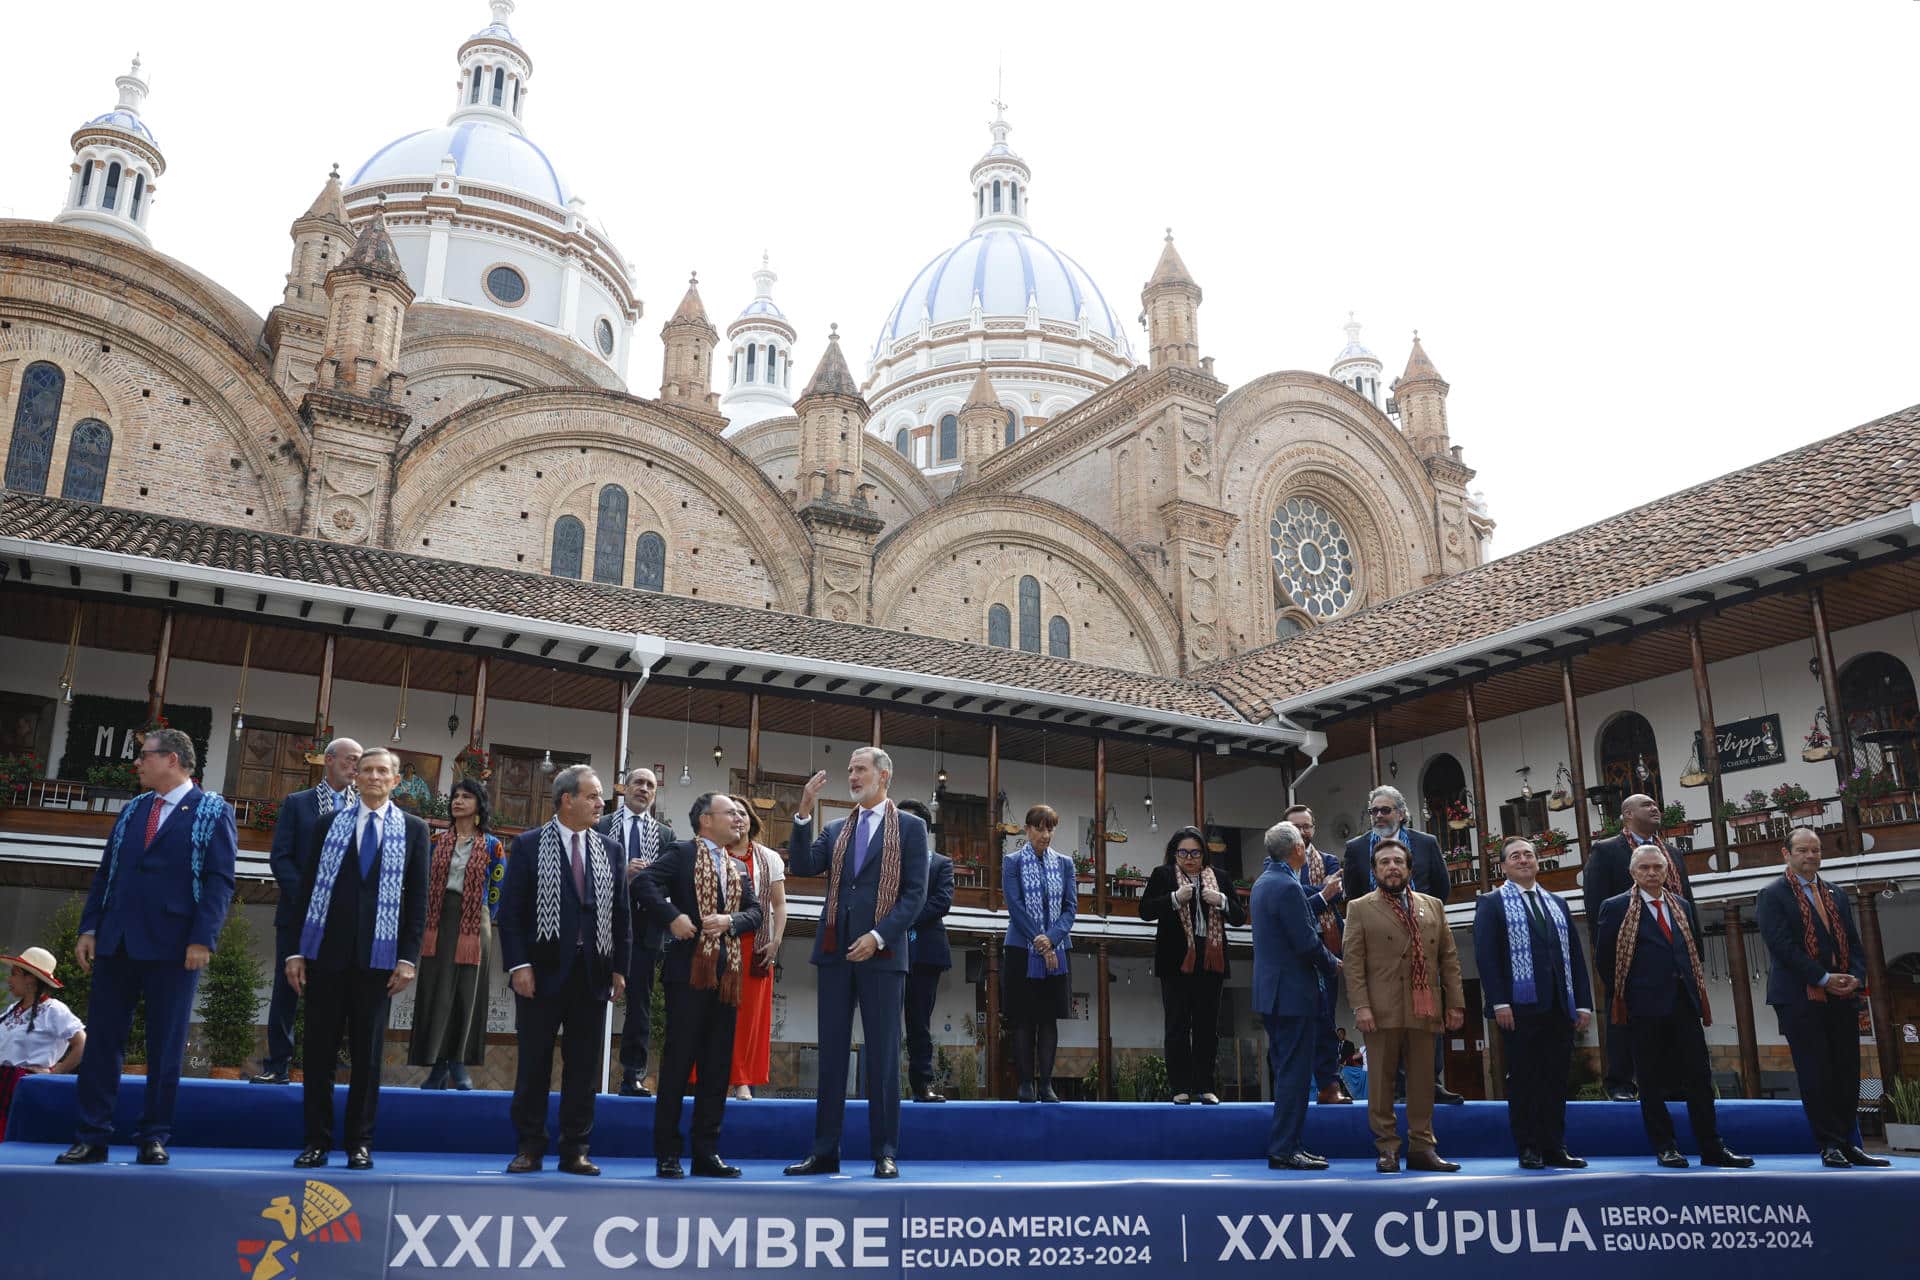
928,956
1649,953
1533,978
876,867
1427,867
564,925
1321,876
156,905
294,844
1291,968
1819,970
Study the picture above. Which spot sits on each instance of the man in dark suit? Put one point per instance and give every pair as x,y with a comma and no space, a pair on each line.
1605,876
300,815
156,905
1387,820
1321,875
701,968
563,922
928,956
638,835
1649,954
1819,970
1291,970
363,912
876,867
1533,979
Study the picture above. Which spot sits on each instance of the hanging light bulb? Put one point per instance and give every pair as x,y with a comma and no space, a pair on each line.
686,742
1526,781
1640,770
406,673
686,774
940,778
240,696
1153,819
239,722
546,761
717,752
71,671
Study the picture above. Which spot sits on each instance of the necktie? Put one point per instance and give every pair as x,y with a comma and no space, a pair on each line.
369,844
633,838
860,828
579,870
153,815
1660,917
1533,909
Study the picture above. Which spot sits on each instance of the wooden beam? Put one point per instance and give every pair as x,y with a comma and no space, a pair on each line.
875,738
1100,837
1879,997
1103,1009
1373,744
478,729
753,740
1709,746
1479,793
1199,796
323,698
1739,979
1837,726
162,660
994,818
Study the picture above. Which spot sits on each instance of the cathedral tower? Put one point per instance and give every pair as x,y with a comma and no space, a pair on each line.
760,358
836,503
1358,368
685,377
297,327
116,167
1421,396
983,426
1171,300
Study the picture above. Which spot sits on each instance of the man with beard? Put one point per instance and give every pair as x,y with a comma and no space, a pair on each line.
1320,876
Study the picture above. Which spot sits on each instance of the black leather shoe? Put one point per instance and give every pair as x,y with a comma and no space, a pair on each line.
311,1158
1721,1158
1855,1156
1430,1162
1300,1160
152,1152
668,1167
579,1164
270,1077
1387,1164
1445,1095
526,1162
813,1165
714,1167
1561,1160
885,1167
632,1088
1670,1159
925,1093
1531,1159
1047,1094
1623,1093
1835,1158
83,1153
1025,1093
359,1158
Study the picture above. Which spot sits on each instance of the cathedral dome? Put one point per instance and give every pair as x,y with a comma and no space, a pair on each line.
483,152
1005,269
125,121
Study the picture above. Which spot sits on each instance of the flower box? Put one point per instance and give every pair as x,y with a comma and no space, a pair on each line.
1811,809
1749,819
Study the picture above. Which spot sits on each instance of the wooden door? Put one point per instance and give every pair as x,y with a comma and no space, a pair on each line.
522,794
272,763
963,835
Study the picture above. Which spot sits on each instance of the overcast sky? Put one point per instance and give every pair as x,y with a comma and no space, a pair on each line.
1645,243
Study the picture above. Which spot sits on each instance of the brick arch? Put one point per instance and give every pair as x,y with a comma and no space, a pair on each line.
627,440
924,578
774,447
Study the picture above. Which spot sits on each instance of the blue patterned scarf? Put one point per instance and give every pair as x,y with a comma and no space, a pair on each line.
1513,902
1042,880
393,870
208,811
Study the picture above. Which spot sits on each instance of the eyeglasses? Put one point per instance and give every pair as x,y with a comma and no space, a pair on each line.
1188,853
1384,811
156,751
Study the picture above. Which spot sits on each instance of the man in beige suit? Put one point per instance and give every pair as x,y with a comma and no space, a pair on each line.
1400,962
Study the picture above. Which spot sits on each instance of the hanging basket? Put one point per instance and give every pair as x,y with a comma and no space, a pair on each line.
1216,846
1116,837
1694,778
1459,824
1559,802
1813,755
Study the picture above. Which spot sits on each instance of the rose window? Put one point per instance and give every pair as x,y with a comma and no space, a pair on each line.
1312,559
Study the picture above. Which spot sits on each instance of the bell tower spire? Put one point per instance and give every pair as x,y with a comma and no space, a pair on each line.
494,71
1001,180
116,166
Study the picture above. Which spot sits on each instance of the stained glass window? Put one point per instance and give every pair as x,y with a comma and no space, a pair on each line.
111,191
949,438
1059,638
36,413
1312,558
87,455
603,334
610,536
1013,428
1030,614
999,627
569,546
506,285
650,562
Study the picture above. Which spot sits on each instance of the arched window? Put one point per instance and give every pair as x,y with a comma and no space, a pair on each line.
996,195
650,562
980,202
949,438
999,627
1030,614
1013,196
139,191
478,72
86,180
1013,427
610,536
900,442
1059,637
36,413
499,84
770,368
111,192
516,95
1442,783
1878,707
87,454
753,349
569,546
1629,760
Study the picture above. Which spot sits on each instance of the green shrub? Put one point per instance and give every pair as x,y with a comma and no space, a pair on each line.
228,1003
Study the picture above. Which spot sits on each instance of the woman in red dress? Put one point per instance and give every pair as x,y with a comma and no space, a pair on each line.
753,1030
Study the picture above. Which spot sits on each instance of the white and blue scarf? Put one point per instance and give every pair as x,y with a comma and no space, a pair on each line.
1042,881
1513,902
393,869
554,862
207,813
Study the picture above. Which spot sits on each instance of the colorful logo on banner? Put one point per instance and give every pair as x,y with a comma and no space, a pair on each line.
325,1217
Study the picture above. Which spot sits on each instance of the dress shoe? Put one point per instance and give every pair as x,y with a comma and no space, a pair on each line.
1332,1095
1855,1156
1443,1094
668,1167
83,1153
578,1164
1047,1094
311,1158
813,1165
152,1151
1561,1160
714,1167
1026,1093
1210,1099
526,1162
1721,1158
632,1088
1531,1159
1300,1160
270,1077
885,1167
925,1093
457,1077
1431,1162
1835,1158
1387,1164
1670,1159
359,1158
436,1078
1623,1093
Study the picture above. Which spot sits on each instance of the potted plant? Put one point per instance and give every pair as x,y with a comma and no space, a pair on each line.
1083,868
108,783
1610,825
1903,1128
1755,807
1864,785
1818,744
1793,797
227,1003
1243,888
1674,821
262,814
17,772
1130,879
1459,855
1459,816
473,763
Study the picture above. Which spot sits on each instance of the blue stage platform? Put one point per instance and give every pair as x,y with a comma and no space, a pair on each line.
987,1189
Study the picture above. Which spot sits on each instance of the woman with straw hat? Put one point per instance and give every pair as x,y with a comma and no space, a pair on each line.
37,1033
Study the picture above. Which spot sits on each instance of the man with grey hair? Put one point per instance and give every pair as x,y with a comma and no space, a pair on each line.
1387,820
875,862
1290,968
294,846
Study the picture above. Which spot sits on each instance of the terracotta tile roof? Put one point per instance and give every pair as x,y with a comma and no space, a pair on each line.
531,595
1868,471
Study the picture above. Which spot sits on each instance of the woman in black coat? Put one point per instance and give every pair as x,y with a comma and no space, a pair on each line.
1194,907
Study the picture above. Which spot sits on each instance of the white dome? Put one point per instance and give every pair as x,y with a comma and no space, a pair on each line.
1004,267
482,152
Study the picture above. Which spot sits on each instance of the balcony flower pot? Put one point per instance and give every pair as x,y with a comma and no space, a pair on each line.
1751,819
1694,778
1814,755
1811,809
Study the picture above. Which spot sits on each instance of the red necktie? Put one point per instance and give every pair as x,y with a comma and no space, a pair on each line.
153,816
1660,915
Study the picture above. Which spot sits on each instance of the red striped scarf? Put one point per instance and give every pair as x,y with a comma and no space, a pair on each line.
473,903
1623,959
1417,957
1829,916
889,874
707,898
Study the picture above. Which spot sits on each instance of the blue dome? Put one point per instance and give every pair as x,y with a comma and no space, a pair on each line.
1354,351
763,307
1004,267
126,122
481,152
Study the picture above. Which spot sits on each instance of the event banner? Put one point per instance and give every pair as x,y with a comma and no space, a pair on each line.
1593,1224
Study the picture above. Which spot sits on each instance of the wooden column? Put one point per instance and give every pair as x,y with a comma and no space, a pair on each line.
1879,998
1576,758
753,740
1373,743
1100,836
479,734
1103,1011
162,659
995,816
1741,980
991,971
1709,747
1479,792
1836,722
323,697
1199,796
875,739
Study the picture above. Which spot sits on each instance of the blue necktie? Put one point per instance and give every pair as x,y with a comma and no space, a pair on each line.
859,841
370,846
